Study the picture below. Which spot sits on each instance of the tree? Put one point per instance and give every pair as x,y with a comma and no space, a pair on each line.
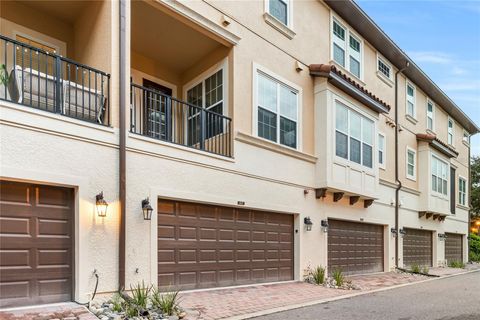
475,182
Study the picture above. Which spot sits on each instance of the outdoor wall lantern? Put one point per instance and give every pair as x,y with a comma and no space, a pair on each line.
147,209
394,232
308,223
324,224
402,232
442,236
101,205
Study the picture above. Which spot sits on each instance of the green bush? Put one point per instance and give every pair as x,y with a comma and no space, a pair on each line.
415,268
167,302
118,302
456,264
425,269
318,275
140,294
474,247
338,276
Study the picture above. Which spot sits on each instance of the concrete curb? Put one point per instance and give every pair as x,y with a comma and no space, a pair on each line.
346,296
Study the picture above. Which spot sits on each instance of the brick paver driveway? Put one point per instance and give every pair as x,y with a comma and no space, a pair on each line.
63,311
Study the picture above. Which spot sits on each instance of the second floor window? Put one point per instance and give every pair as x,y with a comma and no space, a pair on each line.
411,100
450,132
353,136
277,111
384,68
411,164
347,49
462,191
279,9
439,176
381,150
430,114
466,137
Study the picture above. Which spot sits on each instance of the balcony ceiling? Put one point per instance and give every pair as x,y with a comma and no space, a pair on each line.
67,11
170,42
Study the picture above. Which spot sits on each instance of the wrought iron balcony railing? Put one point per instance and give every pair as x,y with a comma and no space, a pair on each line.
44,80
160,116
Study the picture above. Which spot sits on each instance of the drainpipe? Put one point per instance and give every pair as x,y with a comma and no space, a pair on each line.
397,180
122,148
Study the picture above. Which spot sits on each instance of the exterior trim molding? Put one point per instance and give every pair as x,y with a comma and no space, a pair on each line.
201,20
277,25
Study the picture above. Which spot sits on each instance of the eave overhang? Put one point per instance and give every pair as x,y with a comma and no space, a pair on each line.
349,86
371,32
437,144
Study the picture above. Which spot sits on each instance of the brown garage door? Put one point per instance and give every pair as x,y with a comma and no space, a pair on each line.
202,246
417,247
35,244
355,247
454,247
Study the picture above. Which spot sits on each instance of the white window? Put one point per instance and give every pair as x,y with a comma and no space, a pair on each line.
411,100
346,48
439,176
462,191
450,131
381,150
466,137
430,115
411,164
353,136
277,111
280,9
384,68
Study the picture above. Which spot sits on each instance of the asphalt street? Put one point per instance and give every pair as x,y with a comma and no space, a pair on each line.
455,298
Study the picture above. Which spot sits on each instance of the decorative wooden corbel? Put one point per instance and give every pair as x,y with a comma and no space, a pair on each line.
320,193
421,214
337,196
429,214
367,203
354,199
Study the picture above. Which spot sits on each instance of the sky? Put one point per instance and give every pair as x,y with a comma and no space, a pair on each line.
443,38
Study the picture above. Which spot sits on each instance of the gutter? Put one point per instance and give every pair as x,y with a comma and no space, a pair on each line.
397,180
122,146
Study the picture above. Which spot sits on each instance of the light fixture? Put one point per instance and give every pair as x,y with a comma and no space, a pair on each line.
442,236
394,232
324,224
101,205
147,209
308,223
402,232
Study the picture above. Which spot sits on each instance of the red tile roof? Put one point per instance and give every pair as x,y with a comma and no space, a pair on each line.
428,137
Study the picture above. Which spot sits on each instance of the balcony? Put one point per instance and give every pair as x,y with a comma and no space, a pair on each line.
180,85
160,116
36,66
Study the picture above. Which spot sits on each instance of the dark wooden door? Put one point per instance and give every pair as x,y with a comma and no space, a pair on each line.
355,247
201,246
454,247
36,244
417,247
158,113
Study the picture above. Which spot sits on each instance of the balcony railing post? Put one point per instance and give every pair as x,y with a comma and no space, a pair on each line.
58,85
168,118
203,128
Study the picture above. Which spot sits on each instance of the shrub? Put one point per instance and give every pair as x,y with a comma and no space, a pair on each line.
318,275
474,257
425,270
456,264
166,302
140,294
338,276
474,247
118,302
415,268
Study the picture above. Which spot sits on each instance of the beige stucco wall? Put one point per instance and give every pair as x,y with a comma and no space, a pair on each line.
262,174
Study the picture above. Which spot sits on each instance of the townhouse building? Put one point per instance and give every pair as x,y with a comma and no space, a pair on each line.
199,144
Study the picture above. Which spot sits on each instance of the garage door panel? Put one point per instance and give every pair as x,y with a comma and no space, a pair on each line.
417,247
35,244
355,247
453,247
209,246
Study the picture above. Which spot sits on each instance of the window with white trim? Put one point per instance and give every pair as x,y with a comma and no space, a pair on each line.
450,131
439,176
462,191
277,111
411,100
280,9
381,150
411,163
430,115
346,48
384,68
466,137
353,136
